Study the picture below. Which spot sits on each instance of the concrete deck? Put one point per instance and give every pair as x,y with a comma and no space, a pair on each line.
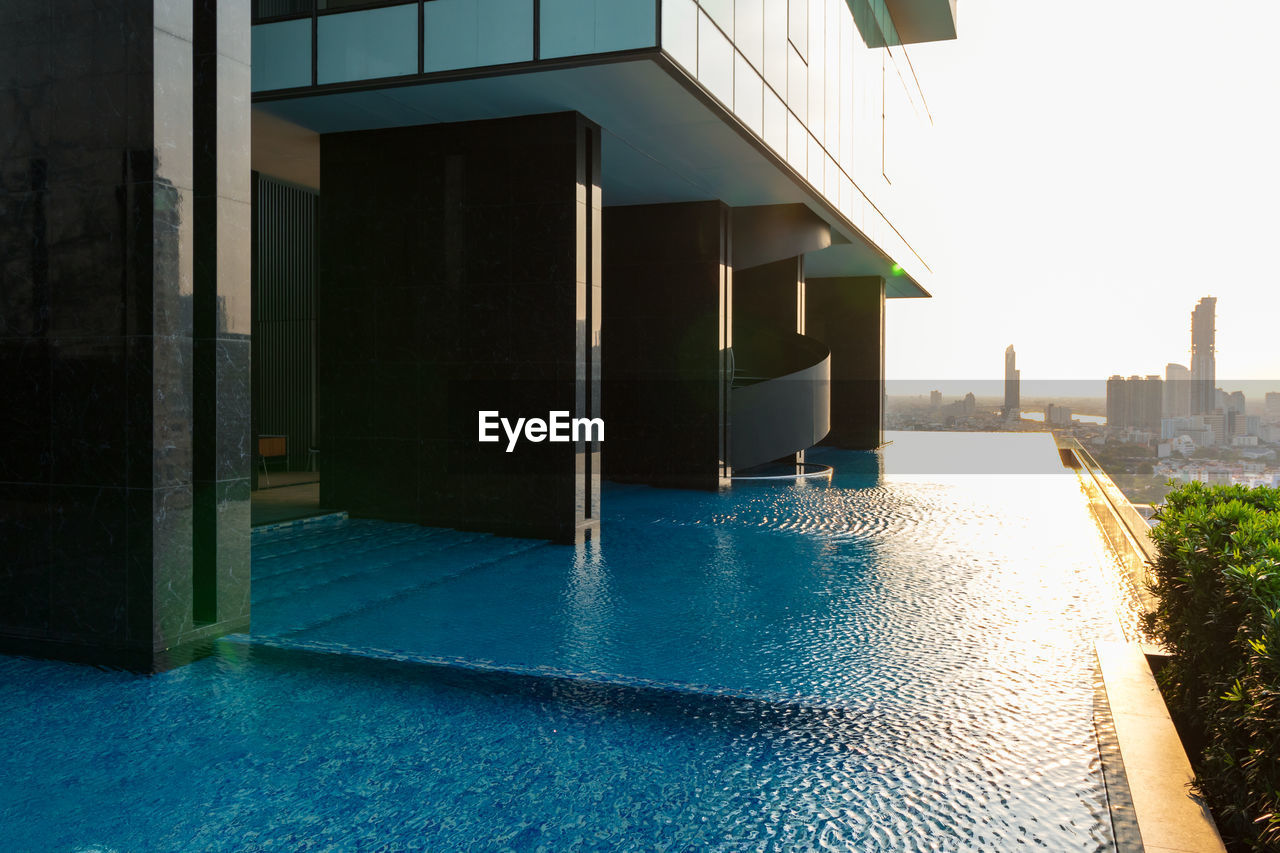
1170,818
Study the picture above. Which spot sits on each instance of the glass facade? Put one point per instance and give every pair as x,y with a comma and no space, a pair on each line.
832,93
577,27
367,44
282,55
475,33
823,83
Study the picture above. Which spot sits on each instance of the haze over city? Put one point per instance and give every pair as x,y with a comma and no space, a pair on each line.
1095,175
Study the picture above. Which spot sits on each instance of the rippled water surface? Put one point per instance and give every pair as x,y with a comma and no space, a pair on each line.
900,659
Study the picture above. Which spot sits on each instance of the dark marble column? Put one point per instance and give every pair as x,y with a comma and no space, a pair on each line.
222,258
847,314
458,272
668,327
97,185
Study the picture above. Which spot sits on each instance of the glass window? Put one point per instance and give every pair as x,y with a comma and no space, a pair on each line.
281,55
715,60
576,27
567,28
797,143
798,25
471,33
748,31
624,24
831,87
270,8
721,11
797,84
817,70
816,165
748,94
680,32
368,44
846,96
775,45
775,122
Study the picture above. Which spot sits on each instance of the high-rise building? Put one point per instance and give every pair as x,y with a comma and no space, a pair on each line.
1012,385
1177,391
1272,406
1135,403
1203,365
935,400
1057,415
357,225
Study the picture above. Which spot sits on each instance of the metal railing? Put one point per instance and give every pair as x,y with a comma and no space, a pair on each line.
782,403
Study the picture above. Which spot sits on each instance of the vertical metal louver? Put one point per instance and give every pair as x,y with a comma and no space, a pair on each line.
284,321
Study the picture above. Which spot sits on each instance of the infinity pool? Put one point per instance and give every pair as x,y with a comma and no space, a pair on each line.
899,659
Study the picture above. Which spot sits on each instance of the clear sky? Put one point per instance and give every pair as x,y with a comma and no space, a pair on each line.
1099,167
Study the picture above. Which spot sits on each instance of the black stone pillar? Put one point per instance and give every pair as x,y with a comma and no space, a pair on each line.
98,319
847,314
668,326
223,322
460,273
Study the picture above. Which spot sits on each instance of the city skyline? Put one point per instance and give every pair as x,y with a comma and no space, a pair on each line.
1143,211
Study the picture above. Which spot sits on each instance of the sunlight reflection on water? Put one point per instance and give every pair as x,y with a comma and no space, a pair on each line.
899,659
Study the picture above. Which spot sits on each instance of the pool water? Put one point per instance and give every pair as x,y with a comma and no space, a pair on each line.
898,659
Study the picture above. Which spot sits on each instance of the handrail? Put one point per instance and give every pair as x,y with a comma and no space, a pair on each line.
780,414
773,356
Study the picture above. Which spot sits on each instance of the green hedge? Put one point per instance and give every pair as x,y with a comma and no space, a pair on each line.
1217,581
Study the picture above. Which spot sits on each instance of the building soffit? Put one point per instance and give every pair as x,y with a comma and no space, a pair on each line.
664,140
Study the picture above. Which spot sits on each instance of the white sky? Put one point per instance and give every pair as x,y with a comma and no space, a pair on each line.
1101,166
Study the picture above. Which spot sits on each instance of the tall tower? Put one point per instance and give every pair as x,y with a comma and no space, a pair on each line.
1203,367
1177,391
1012,390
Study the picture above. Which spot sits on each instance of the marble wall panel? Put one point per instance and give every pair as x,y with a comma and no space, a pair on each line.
452,263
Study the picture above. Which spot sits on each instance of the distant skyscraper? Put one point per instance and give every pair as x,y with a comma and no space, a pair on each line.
1012,385
1177,391
1135,402
1117,401
1203,366
1273,406
935,399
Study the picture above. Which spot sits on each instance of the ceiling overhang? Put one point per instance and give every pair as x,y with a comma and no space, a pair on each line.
662,142
923,20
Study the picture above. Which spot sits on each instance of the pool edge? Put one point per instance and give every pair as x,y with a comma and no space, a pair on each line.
1158,772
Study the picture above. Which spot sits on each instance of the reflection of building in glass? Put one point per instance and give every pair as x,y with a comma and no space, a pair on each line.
1012,385
1203,365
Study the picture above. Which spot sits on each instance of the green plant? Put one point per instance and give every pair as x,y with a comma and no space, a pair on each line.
1217,582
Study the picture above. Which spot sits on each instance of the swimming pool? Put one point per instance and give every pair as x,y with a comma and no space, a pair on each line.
900,659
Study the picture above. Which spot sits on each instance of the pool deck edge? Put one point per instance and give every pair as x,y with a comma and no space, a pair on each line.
1170,818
